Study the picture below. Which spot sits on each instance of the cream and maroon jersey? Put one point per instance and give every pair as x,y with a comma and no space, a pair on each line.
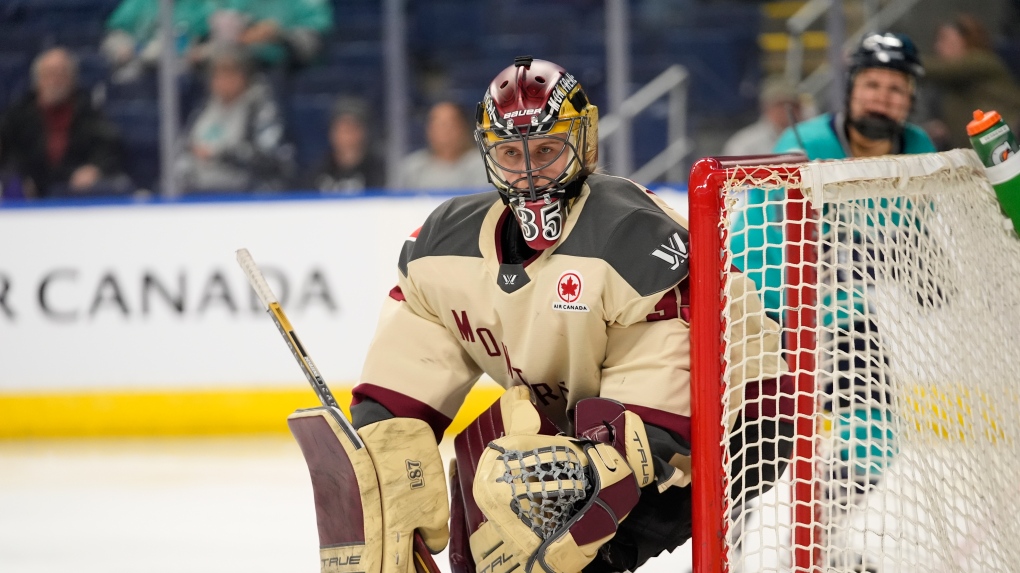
603,312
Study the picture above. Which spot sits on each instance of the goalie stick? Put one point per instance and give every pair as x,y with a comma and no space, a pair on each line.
423,561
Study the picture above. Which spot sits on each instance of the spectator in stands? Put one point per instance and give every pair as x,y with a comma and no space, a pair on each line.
235,140
132,41
969,76
780,107
276,32
55,139
450,161
351,165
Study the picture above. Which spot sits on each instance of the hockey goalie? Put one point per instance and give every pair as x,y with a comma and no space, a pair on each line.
569,288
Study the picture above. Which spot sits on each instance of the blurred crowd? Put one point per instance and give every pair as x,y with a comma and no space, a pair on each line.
56,140
962,73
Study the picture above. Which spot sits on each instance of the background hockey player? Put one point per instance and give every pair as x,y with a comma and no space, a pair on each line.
569,288
882,78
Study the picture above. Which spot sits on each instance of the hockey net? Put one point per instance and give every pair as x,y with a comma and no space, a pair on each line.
895,283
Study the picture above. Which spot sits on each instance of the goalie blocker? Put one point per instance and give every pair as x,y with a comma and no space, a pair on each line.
370,502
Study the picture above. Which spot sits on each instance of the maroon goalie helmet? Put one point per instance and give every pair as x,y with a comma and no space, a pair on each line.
537,133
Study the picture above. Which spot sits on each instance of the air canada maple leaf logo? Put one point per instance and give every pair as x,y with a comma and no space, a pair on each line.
569,287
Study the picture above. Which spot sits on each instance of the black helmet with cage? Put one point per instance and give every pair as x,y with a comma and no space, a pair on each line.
538,135
889,51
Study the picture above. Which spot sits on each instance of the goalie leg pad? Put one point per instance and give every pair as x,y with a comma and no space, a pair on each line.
370,501
346,493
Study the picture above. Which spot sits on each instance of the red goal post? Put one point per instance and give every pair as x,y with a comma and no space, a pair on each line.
897,300
707,209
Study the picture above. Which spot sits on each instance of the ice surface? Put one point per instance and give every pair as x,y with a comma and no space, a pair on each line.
167,505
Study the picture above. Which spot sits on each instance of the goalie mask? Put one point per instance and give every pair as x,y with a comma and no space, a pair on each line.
537,133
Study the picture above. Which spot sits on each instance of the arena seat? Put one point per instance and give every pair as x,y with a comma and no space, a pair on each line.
719,60
362,79
14,76
307,119
138,124
446,29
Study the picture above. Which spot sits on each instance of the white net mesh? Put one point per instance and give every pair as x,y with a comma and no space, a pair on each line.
908,349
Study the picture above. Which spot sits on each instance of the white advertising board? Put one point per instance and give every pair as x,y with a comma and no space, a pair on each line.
149,296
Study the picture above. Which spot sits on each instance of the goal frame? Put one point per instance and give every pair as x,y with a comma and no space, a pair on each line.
894,279
707,276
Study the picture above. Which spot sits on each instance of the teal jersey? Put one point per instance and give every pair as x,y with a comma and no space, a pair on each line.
821,141
311,14
140,19
757,235
290,15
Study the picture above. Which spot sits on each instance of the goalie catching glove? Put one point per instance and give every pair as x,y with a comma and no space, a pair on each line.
550,502
369,501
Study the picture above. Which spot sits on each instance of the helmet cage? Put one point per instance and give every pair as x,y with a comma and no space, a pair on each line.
571,132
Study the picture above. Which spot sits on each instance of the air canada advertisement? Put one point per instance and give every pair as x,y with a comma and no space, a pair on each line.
151,296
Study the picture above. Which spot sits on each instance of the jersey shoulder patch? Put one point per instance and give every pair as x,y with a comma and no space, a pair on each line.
622,225
451,230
